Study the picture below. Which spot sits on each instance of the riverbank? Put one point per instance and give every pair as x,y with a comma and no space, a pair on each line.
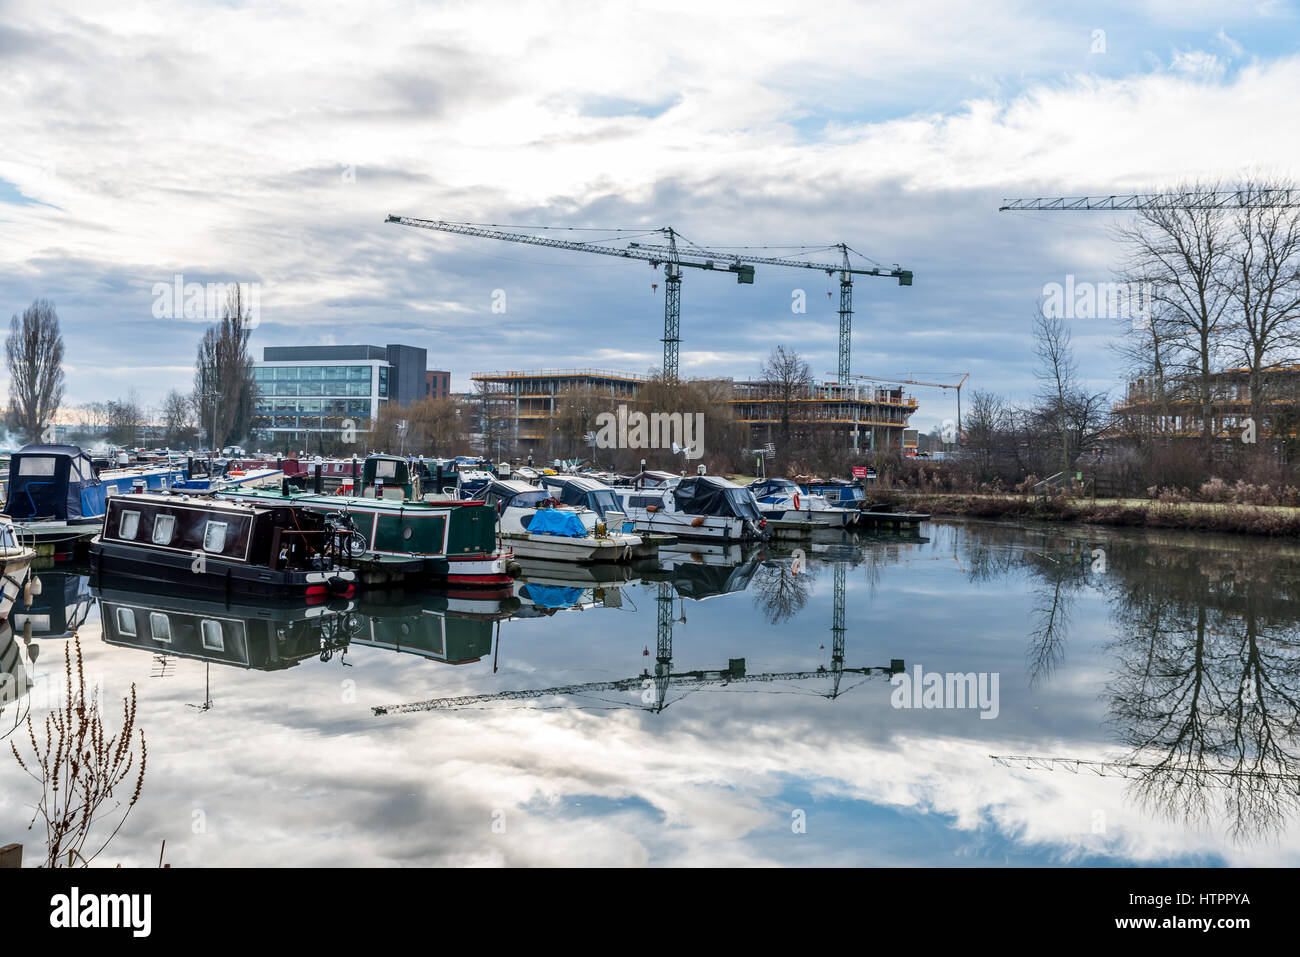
1267,520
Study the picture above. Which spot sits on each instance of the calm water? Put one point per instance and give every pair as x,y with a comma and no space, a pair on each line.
1173,655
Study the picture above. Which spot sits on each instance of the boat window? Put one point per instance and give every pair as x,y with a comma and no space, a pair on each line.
643,501
214,537
129,525
160,627
126,622
163,526
385,468
82,471
213,639
40,465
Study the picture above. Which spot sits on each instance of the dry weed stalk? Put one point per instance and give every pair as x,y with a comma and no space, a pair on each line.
79,766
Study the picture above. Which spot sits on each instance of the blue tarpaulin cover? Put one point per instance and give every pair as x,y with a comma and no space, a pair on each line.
552,596
553,521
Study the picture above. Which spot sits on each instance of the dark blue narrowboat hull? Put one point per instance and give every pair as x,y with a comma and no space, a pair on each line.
141,567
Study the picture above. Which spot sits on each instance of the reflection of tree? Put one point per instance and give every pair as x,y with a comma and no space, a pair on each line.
780,591
1207,688
1059,566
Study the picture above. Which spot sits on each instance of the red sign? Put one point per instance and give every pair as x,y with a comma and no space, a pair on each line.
859,471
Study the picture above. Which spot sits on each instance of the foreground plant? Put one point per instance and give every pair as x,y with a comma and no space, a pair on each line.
79,767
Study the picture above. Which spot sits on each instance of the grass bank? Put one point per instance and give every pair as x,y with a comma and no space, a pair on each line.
1270,520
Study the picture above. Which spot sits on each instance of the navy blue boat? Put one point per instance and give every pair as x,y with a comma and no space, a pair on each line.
55,498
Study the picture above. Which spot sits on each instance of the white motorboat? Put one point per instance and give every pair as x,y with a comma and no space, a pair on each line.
698,507
15,567
780,499
538,526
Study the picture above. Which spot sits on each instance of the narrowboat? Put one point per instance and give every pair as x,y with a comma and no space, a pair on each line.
537,526
228,548
15,567
699,506
448,541
55,499
152,478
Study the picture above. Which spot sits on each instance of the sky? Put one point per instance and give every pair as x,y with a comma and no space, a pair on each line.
266,143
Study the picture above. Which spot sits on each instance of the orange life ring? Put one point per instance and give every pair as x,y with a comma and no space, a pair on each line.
796,501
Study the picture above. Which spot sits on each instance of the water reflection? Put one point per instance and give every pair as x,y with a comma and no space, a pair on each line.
1204,664
1184,652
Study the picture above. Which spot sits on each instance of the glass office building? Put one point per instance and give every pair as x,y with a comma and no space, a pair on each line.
305,391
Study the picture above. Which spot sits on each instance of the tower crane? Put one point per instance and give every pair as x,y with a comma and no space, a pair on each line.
1188,199
1207,777
937,385
844,268
733,674
670,255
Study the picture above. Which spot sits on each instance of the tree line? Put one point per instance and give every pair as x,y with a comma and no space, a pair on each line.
221,404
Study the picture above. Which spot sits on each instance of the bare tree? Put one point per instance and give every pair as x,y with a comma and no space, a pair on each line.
786,379
1181,255
177,418
224,388
125,416
1264,284
34,354
1057,373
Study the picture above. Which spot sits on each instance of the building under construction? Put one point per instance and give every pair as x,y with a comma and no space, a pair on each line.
866,418
523,406
1175,410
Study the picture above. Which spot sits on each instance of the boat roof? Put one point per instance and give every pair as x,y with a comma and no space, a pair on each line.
513,485
72,451
584,482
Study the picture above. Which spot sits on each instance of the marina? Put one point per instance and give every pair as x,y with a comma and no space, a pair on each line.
758,440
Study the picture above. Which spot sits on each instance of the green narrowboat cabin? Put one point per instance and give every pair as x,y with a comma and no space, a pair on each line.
390,477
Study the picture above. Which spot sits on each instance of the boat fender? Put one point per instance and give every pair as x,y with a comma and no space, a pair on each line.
697,521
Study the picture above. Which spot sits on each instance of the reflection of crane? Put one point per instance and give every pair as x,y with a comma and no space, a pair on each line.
734,673
845,270
672,258
937,385
1204,777
1191,199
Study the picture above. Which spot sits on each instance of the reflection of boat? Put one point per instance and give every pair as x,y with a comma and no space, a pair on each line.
60,603
15,676
544,588
15,566
585,575
431,629
271,636
265,637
